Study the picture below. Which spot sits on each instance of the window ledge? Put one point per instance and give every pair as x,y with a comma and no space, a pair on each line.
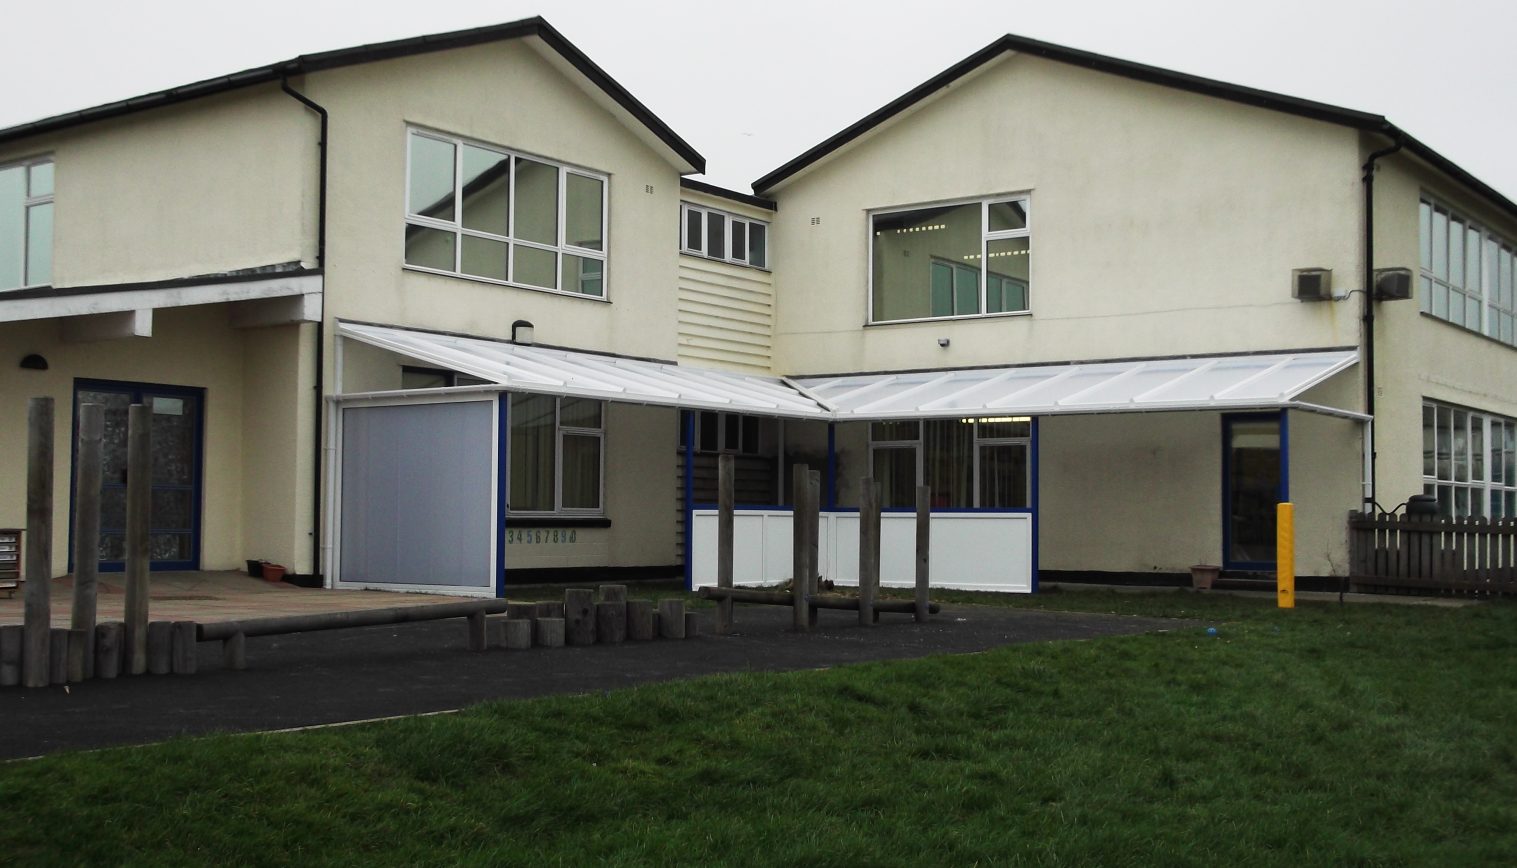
939,319
531,521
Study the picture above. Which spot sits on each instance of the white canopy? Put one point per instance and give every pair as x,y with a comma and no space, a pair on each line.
1270,381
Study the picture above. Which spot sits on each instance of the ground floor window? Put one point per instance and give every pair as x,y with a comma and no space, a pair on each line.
1468,461
556,455
1254,484
969,463
726,432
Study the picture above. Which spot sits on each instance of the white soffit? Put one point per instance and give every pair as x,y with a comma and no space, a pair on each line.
548,371
1217,383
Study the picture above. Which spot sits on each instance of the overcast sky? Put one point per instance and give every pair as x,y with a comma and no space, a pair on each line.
752,83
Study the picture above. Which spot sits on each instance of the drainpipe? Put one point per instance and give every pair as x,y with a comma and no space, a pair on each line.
321,262
1368,318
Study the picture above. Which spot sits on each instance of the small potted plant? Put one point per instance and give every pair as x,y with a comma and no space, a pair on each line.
1203,575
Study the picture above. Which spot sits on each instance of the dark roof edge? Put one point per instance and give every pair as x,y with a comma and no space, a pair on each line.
724,193
266,272
307,63
1364,121
1068,362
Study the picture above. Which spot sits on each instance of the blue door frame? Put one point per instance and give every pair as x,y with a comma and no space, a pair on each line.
136,392
1282,494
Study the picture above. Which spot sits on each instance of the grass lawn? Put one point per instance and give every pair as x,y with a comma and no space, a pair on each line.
1365,734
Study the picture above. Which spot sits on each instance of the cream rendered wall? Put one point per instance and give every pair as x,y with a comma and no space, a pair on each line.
726,311
1419,356
278,376
502,94
190,347
212,185
1162,222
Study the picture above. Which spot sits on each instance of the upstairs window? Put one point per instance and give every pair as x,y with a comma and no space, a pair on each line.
26,224
955,260
719,235
491,214
1466,274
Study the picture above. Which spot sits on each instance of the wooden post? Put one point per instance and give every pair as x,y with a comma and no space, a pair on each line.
813,542
87,526
550,609
640,620
57,655
479,633
234,652
521,611
108,640
549,632
38,618
671,619
692,625
139,504
611,621
10,654
924,538
869,549
78,651
800,492
516,634
183,657
613,593
160,647
579,616
725,498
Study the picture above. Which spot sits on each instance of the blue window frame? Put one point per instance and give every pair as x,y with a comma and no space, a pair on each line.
1255,478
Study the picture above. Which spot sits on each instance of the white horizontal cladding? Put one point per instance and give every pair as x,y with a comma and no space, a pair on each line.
71,302
551,371
974,551
1226,382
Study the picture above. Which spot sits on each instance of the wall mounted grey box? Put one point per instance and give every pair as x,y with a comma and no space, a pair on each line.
1312,284
1393,284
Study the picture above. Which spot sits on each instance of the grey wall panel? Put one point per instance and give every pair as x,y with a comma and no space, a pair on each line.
417,494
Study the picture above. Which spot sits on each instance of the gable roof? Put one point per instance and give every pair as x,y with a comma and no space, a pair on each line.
308,63
1010,43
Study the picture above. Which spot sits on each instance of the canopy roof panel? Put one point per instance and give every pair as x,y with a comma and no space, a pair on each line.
1222,382
587,375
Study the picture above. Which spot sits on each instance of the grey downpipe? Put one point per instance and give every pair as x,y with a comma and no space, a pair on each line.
1368,317
321,325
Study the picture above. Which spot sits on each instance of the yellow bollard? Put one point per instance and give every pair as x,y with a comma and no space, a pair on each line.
1285,555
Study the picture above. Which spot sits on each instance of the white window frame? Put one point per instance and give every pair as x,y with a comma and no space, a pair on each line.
915,444
27,202
1497,299
1489,488
746,260
561,249
986,236
559,431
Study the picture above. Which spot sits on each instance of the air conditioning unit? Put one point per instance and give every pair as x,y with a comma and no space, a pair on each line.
1393,284
1312,284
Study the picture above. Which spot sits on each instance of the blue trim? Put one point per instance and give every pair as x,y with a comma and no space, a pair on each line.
1285,457
1282,492
832,466
135,392
502,481
689,443
1034,480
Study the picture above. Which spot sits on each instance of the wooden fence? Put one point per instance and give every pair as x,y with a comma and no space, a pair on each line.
1460,556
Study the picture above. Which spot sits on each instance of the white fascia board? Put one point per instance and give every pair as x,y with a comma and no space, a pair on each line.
210,292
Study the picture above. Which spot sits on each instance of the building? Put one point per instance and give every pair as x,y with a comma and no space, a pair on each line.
404,327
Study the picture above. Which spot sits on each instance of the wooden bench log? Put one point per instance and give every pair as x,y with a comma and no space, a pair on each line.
479,633
516,634
78,652
234,652
183,659
521,611
640,620
579,616
216,631
109,637
10,654
549,632
57,655
671,619
160,647
692,625
550,609
611,621
613,593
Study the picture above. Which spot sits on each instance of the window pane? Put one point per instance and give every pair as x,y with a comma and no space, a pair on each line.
535,267
485,258
881,431
1509,455
12,227
583,211
431,185
1008,215
1456,252
1461,502
694,230
739,240
1456,307
536,205
39,244
758,256
1253,488
731,432
416,378
1425,234
429,248
1440,244
1003,476
581,472
941,290
1472,309
1461,446
948,462
487,191
1429,442
1440,301
966,290
1445,443
1477,448
41,180
906,245
716,236
895,476
1000,430
750,435
532,448
1472,261
579,413
584,275
1009,259
710,431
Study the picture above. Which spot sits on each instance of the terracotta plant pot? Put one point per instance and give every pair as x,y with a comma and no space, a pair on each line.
273,572
1201,575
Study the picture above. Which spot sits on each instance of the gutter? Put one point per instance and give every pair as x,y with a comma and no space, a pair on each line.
1368,317
321,323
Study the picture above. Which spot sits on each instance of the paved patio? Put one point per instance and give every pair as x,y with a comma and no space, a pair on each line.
211,596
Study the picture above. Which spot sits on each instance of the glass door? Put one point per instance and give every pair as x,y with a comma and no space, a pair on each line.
174,535
1254,481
